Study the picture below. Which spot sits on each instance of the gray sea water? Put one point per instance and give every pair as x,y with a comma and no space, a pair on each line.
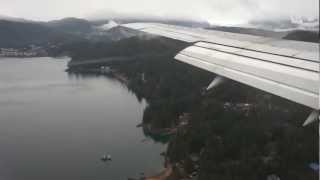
56,126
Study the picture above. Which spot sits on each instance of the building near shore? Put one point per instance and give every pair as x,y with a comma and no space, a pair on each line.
11,52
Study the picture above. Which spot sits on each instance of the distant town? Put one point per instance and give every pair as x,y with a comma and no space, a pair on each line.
32,51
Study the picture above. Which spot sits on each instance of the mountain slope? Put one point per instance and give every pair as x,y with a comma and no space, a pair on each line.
71,25
308,36
21,34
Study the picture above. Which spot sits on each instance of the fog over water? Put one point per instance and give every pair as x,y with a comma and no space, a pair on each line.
214,11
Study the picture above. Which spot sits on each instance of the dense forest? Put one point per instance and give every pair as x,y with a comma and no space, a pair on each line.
308,36
233,132
21,34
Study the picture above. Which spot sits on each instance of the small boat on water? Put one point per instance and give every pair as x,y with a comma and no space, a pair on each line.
106,157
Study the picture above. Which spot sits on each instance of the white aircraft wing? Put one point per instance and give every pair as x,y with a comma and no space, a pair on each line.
289,69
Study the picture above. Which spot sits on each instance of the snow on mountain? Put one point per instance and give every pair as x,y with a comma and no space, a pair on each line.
305,23
111,24
290,24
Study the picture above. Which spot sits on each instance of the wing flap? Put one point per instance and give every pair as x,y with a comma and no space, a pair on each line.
284,60
294,94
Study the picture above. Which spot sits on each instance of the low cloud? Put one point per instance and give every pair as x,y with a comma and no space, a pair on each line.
213,11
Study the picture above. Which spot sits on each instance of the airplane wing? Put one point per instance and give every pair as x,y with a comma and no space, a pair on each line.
289,69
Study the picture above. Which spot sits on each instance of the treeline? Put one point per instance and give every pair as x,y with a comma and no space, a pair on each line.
137,45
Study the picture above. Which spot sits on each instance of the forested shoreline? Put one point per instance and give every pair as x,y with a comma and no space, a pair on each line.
231,132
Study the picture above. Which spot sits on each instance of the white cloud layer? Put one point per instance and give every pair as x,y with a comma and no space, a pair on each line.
214,11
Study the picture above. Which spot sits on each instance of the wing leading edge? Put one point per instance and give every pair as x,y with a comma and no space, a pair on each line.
289,69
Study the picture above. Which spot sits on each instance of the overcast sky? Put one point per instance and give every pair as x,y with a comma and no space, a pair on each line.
214,11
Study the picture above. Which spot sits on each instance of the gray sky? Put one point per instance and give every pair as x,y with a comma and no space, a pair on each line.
214,11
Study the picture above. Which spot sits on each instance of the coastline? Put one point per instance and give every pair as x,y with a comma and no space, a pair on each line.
163,175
